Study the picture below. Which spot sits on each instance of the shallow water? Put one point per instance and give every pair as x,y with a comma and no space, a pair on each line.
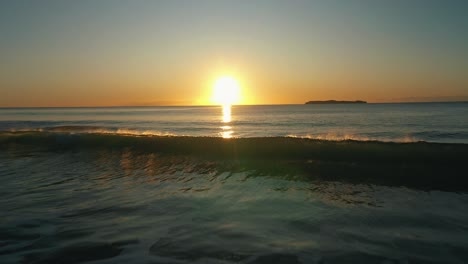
114,206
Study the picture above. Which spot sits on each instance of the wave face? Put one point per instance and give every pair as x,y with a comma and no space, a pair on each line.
113,198
417,164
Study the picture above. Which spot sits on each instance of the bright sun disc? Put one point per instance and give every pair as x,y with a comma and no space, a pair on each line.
226,91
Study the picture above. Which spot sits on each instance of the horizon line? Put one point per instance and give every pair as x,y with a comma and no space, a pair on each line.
162,105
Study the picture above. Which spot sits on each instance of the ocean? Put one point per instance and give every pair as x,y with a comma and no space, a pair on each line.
431,122
343,183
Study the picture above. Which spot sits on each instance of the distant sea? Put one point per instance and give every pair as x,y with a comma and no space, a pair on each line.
406,122
329,183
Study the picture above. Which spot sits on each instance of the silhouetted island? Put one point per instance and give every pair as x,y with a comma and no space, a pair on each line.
336,102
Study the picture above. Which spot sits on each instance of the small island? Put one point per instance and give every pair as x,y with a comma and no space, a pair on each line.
336,102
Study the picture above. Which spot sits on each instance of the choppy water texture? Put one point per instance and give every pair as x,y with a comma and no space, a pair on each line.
75,189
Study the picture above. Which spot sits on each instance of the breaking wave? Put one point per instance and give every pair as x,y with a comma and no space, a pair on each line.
412,164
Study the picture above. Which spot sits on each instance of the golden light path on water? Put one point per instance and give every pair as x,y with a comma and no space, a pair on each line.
226,130
226,92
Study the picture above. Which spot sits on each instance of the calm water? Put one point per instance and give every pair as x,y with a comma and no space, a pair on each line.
434,122
73,193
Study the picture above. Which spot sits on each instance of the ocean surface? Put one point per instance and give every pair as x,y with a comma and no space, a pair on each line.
432,122
364,183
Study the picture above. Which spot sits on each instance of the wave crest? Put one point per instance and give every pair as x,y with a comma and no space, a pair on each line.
414,164
95,130
344,137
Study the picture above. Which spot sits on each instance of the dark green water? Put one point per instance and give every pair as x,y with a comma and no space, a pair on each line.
75,204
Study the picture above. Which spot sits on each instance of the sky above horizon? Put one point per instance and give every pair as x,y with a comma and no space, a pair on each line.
106,53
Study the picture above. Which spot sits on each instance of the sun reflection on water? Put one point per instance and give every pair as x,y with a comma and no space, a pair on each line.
226,113
226,131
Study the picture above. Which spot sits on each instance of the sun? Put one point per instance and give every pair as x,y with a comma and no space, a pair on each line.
226,91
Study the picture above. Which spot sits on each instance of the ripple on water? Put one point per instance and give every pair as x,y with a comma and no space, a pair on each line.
75,207
79,253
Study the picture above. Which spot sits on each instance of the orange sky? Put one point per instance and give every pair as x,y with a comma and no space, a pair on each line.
171,53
